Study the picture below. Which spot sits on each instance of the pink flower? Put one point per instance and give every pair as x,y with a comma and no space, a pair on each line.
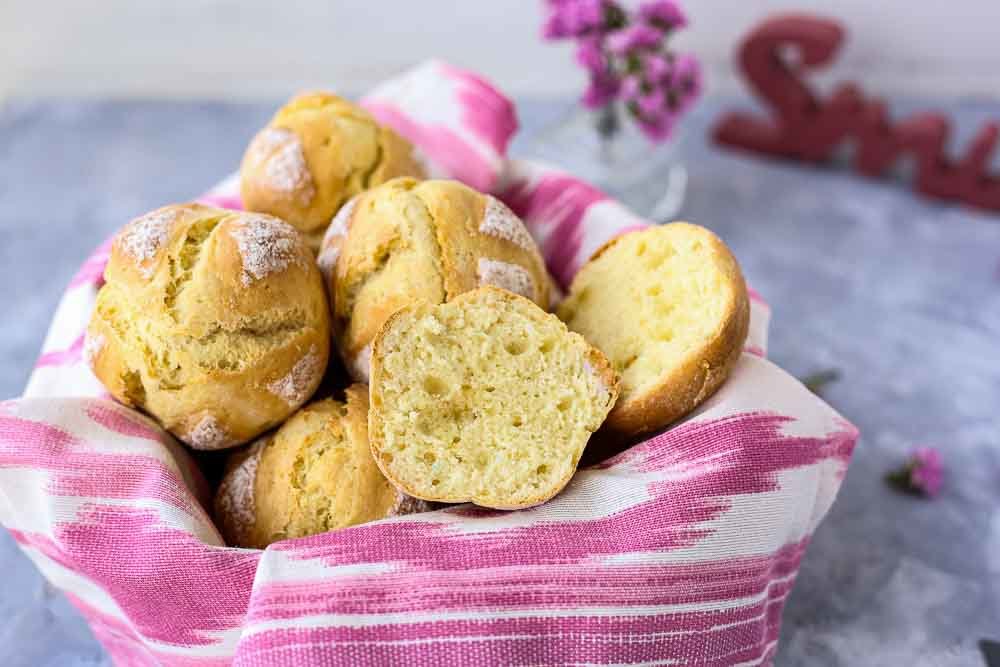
652,104
631,87
634,38
663,14
626,58
603,88
922,473
655,66
590,55
686,80
573,18
926,471
659,128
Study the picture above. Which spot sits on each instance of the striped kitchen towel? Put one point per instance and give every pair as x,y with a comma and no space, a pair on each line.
681,550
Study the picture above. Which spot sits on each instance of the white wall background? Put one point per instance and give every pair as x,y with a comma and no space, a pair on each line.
257,48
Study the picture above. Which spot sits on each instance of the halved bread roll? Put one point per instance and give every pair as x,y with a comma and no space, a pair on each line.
669,307
407,242
486,398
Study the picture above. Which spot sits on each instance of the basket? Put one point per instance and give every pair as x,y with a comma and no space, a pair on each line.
680,550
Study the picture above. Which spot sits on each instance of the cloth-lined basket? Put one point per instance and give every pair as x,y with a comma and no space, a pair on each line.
681,550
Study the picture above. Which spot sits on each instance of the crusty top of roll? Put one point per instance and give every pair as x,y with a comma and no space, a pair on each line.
213,321
317,152
408,242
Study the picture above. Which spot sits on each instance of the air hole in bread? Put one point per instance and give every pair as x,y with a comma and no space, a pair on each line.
665,335
490,439
134,390
429,457
542,470
435,386
515,347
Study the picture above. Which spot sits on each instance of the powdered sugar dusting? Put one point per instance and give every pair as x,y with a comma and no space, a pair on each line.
294,388
510,277
92,346
267,245
142,238
360,366
341,221
236,504
500,221
208,434
332,239
285,168
327,261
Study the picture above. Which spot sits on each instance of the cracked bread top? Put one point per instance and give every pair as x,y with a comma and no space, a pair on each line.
407,242
313,474
214,322
317,152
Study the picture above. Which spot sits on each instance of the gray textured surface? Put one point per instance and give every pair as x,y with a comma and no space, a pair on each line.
901,294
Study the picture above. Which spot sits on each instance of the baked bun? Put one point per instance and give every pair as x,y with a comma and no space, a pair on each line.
214,322
314,474
317,152
486,398
669,307
409,242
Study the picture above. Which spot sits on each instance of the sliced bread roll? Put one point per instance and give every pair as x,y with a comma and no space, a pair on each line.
407,242
669,307
486,398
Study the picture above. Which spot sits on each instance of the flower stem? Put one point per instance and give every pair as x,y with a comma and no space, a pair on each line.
608,125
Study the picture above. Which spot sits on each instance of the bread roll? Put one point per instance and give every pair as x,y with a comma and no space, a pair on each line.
409,242
212,321
486,398
312,475
669,307
316,153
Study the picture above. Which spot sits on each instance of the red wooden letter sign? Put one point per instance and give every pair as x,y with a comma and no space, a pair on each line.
804,127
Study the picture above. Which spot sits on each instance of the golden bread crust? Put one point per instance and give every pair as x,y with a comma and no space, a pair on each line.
312,475
408,242
317,152
695,376
214,322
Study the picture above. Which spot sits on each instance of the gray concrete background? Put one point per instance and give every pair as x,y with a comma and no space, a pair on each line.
901,294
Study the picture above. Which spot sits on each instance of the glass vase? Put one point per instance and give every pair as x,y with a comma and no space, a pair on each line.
606,148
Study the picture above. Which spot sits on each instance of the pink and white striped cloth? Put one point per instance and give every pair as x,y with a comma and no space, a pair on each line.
682,550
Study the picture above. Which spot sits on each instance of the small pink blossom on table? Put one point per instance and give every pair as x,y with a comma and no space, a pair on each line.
923,473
